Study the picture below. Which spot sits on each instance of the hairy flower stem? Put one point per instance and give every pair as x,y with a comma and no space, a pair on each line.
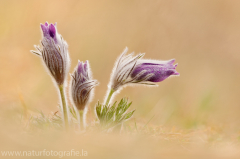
109,96
64,106
81,120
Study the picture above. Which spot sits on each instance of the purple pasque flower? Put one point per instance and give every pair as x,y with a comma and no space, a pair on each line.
54,52
82,85
132,69
153,71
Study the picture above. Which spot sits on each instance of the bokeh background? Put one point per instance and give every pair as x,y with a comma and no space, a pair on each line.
203,36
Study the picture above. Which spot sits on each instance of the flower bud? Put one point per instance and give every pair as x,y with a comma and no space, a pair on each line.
54,52
82,85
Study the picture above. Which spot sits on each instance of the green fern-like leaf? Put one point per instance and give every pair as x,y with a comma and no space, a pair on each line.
110,116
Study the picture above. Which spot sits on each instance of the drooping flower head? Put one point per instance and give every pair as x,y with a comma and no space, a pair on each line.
129,69
82,85
54,52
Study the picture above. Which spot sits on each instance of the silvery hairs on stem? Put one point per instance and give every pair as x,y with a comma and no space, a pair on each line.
82,85
131,69
54,52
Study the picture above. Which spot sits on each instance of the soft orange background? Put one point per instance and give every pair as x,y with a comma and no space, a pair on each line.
203,36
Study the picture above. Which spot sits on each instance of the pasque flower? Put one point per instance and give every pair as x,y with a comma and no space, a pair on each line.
54,52
82,89
131,69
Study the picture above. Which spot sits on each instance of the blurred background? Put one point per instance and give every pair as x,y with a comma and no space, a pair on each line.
203,36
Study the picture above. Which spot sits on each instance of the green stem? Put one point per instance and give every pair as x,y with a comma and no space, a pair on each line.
109,96
81,120
64,106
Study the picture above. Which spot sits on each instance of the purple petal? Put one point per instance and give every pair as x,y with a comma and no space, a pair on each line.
171,61
80,67
176,73
44,30
46,24
52,31
86,66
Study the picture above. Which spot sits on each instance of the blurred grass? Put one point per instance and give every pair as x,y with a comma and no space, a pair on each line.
202,35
